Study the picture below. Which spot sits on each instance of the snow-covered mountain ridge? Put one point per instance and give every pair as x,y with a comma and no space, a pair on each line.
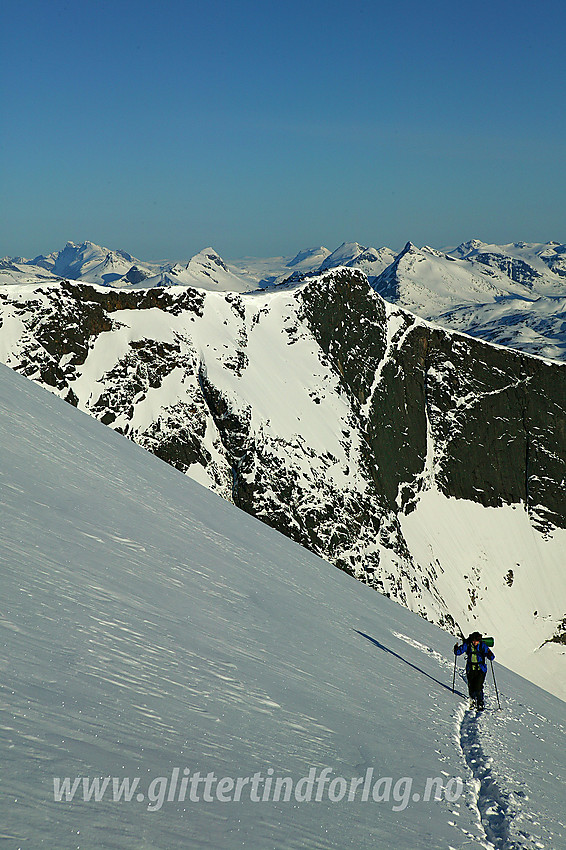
513,295
153,633
428,464
92,263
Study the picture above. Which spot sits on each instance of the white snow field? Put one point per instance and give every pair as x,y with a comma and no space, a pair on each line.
152,632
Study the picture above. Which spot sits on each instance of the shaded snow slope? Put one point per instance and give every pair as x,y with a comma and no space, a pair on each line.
151,630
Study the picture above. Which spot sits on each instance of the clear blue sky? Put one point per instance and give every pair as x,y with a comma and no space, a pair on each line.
263,128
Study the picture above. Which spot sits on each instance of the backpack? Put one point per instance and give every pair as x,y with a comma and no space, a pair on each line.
477,655
474,658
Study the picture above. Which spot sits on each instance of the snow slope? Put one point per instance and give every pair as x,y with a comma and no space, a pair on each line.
151,630
239,393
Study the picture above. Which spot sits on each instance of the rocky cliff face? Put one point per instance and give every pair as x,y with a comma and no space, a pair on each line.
317,407
484,423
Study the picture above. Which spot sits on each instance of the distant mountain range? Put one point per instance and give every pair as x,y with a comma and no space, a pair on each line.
512,295
91,263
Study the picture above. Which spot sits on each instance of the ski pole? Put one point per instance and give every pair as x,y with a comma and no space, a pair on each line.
495,683
454,676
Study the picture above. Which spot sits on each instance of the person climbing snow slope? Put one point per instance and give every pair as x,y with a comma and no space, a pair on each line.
476,666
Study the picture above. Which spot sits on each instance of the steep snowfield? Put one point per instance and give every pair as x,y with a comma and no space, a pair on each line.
152,631
491,552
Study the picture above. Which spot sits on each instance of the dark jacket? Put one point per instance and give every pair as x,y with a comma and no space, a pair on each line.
483,651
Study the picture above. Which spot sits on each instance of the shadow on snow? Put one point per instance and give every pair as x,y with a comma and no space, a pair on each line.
404,660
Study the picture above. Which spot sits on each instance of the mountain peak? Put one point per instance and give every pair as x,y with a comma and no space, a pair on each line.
208,252
343,255
465,249
308,254
207,258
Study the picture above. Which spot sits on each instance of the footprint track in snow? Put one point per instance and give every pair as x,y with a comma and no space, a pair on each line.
497,810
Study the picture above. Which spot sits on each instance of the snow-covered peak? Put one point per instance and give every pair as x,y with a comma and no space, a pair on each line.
512,295
86,261
343,255
434,252
466,248
209,259
134,275
310,257
521,249
206,270
428,281
176,269
372,262
409,248
113,258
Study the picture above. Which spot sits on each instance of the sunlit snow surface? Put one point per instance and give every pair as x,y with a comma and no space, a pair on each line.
148,625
